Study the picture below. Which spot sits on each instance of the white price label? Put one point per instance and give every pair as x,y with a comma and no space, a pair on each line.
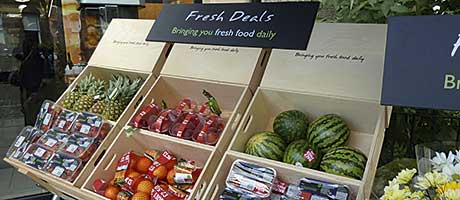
72,148
19,141
47,105
39,152
58,171
27,156
47,119
97,123
50,142
341,195
73,167
61,124
86,144
16,154
85,129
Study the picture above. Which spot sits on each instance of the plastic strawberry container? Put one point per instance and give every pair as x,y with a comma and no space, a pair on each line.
187,125
46,116
64,166
53,139
64,120
211,131
80,146
90,125
37,156
20,144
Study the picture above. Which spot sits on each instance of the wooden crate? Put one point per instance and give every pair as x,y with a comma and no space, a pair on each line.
185,74
122,50
318,87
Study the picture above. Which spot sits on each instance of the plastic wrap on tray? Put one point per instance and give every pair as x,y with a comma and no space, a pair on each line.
331,190
90,125
211,131
250,180
21,143
53,139
37,156
64,166
165,121
80,146
46,116
147,115
64,120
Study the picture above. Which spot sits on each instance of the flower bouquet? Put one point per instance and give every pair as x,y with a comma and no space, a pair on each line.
441,183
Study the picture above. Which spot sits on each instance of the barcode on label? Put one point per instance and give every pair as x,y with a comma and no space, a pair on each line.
58,171
85,129
50,142
47,119
39,152
61,124
72,148
19,141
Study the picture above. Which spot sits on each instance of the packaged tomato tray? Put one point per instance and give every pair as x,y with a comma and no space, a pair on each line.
21,142
187,125
53,139
90,125
211,131
37,156
64,120
46,116
80,146
64,166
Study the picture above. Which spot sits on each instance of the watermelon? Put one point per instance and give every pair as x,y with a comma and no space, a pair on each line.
291,125
327,132
266,145
344,161
300,153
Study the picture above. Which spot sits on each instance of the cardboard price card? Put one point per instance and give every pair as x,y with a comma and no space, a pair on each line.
270,25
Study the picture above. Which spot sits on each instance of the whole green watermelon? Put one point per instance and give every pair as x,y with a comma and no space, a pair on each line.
291,125
344,161
266,145
327,132
300,152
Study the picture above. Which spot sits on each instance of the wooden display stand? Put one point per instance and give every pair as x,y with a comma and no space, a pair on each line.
122,50
227,73
317,86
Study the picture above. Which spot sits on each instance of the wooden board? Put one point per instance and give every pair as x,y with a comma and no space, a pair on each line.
123,46
365,119
237,65
335,74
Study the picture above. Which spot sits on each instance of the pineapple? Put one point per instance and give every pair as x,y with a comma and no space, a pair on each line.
85,102
78,91
99,106
122,90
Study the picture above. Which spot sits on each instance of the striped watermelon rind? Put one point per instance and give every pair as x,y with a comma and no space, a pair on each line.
291,125
266,145
344,161
328,132
295,154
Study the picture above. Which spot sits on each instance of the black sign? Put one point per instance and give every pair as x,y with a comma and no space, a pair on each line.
268,25
422,63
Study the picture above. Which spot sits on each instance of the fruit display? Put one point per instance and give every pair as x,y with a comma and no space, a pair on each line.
188,120
266,145
251,181
62,141
319,145
291,125
64,166
99,97
344,161
153,175
302,153
328,132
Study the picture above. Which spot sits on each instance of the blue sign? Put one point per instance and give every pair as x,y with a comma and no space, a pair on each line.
422,62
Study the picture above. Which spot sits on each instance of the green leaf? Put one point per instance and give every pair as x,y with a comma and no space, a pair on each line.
398,8
385,7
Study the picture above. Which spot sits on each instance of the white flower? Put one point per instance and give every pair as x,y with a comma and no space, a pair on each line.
457,156
431,179
451,170
440,161
451,195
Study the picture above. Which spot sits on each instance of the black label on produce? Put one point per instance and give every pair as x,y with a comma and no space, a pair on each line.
268,25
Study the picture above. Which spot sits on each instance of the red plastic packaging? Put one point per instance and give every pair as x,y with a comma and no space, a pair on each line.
167,159
165,121
146,116
211,131
187,125
99,186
